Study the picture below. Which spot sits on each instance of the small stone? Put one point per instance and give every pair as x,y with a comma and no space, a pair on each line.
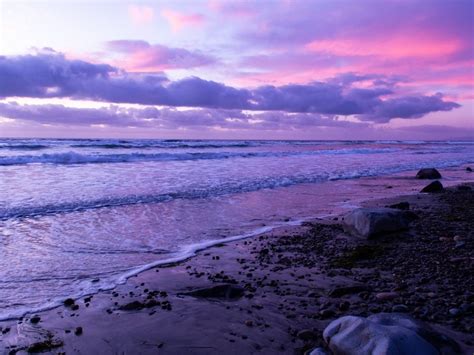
431,294
306,334
385,296
444,239
326,313
69,302
454,311
78,331
399,308
35,319
249,323
469,169
457,238
459,245
318,351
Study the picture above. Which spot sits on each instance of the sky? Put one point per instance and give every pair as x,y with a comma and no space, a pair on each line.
215,69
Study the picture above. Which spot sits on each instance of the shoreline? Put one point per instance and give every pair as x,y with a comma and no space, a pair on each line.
260,309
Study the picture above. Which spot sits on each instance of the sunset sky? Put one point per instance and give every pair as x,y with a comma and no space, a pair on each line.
310,69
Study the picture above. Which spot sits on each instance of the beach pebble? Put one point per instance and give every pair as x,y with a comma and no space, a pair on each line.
385,296
68,302
35,319
248,323
454,311
78,331
399,308
318,351
306,334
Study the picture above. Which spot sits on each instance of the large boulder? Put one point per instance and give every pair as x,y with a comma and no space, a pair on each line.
385,334
370,222
428,173
435,186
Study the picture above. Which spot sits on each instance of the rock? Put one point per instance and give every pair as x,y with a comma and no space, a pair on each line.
459,245
370,222
469,169
226,291
385,296
400,308
318,351
35,319
78,331
454,312
249,323
347,290
435,186
385,333
306,334
68,302
464,188
400,206
428,173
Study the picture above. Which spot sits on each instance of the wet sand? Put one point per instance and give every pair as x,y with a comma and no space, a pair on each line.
277,292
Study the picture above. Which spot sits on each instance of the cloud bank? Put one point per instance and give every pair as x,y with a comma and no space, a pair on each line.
52,75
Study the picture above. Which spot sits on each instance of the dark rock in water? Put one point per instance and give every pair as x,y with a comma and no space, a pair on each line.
386,333
469,169
35,319
347,290
404,206
428,173
226,291
78,331
435,186
370,222
69,302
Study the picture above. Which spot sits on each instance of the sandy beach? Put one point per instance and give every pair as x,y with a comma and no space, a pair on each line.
276,293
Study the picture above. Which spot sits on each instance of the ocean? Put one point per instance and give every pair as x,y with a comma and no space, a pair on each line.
82,215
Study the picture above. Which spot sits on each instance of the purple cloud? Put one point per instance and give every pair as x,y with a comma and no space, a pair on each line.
46,76
167,118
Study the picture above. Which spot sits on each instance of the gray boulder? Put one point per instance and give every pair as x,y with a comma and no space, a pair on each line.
370,222
385,334
428,173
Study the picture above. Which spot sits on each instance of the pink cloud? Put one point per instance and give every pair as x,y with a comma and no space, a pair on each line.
389,47
179,20
141,14
141,56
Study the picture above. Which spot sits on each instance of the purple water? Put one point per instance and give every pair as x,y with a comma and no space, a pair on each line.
78,216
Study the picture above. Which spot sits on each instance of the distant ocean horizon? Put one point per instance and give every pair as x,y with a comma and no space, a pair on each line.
81,215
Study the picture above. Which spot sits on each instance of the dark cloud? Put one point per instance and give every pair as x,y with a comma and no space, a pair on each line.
167,118
52,75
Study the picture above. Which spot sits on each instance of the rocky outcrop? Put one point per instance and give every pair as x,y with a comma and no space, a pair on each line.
435,186
370,222
428,173
385,333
